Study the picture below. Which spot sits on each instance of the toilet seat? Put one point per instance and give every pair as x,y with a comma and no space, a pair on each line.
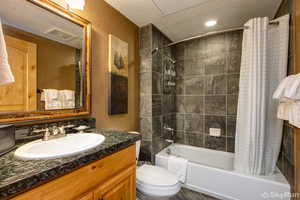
156,181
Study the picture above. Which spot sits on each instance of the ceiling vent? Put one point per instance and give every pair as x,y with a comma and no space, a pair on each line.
60,34
168,7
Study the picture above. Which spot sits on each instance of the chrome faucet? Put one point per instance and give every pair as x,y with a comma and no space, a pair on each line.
167,128
52,133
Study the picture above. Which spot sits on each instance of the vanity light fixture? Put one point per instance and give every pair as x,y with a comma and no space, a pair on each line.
210,23
76,4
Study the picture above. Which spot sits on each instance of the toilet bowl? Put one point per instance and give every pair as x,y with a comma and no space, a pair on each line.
155,181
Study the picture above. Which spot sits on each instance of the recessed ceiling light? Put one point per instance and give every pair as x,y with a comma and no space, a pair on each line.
211,23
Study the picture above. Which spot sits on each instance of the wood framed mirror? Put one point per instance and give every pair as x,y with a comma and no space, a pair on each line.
49,55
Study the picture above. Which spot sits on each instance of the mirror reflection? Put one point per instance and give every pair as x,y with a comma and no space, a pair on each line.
44,54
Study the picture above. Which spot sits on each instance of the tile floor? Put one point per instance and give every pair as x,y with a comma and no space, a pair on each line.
184,194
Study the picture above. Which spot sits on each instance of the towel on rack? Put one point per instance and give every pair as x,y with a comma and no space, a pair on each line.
292,90
178,166
52,99
294,114
67,98
6,75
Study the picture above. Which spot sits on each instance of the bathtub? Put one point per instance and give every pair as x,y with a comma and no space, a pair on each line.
211,172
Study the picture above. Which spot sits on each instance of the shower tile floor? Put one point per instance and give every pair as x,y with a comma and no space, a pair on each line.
184,194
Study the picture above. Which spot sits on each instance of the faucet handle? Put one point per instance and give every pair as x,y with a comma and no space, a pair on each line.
47,134
62,130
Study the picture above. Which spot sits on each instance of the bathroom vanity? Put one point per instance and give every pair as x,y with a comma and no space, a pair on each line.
105,172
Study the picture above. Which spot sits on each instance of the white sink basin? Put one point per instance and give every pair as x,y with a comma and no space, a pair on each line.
60,147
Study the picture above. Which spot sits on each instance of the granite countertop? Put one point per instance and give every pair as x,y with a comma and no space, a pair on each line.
17,176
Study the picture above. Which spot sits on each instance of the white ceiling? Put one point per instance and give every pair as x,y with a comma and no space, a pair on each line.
180,19
31,18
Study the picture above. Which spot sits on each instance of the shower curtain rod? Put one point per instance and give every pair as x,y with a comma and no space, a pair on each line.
217,32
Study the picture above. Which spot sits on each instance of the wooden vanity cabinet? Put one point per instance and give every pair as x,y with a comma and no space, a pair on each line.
111,178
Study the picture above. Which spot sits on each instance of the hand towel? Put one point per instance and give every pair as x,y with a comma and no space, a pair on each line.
292,90
67,99
283,111
279,92
294,117
6,75
52,100
178,166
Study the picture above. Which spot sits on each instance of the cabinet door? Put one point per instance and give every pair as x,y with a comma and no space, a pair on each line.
120,187
88,196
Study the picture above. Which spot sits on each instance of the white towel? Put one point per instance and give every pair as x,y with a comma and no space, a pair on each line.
6,75
292,90
67,98
294,117
279,92
283,111
178,166
52,100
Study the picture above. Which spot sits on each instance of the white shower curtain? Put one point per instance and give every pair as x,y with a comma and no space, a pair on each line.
264,64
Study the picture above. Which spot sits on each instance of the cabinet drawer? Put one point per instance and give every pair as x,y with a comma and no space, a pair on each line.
76,183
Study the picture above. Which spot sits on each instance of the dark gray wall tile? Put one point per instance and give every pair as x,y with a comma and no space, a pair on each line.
193,67
215,105
215,122
180,122
230,144
179,86
145,83
232,102
194,85
145,105
234,61
180,104
156,83
231,126
215,64
215,84
182,138
156,105
233,83
215,44
146,127
157,123
196,139
234,40
216,143
145,36
194,104
194,123
179,68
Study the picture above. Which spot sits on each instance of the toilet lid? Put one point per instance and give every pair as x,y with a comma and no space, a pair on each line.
154,175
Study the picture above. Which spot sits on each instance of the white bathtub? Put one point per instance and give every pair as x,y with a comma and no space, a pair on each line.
211,172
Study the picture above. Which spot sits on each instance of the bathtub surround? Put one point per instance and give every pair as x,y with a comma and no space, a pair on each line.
157,102
207,85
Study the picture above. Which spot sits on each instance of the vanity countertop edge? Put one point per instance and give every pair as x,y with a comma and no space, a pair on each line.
17,176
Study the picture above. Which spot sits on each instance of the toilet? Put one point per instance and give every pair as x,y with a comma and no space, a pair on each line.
155,181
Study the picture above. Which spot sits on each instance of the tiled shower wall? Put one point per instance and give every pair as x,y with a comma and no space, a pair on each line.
207,89
286,156
157,108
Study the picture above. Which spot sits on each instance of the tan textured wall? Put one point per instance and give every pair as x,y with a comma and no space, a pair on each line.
106,20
